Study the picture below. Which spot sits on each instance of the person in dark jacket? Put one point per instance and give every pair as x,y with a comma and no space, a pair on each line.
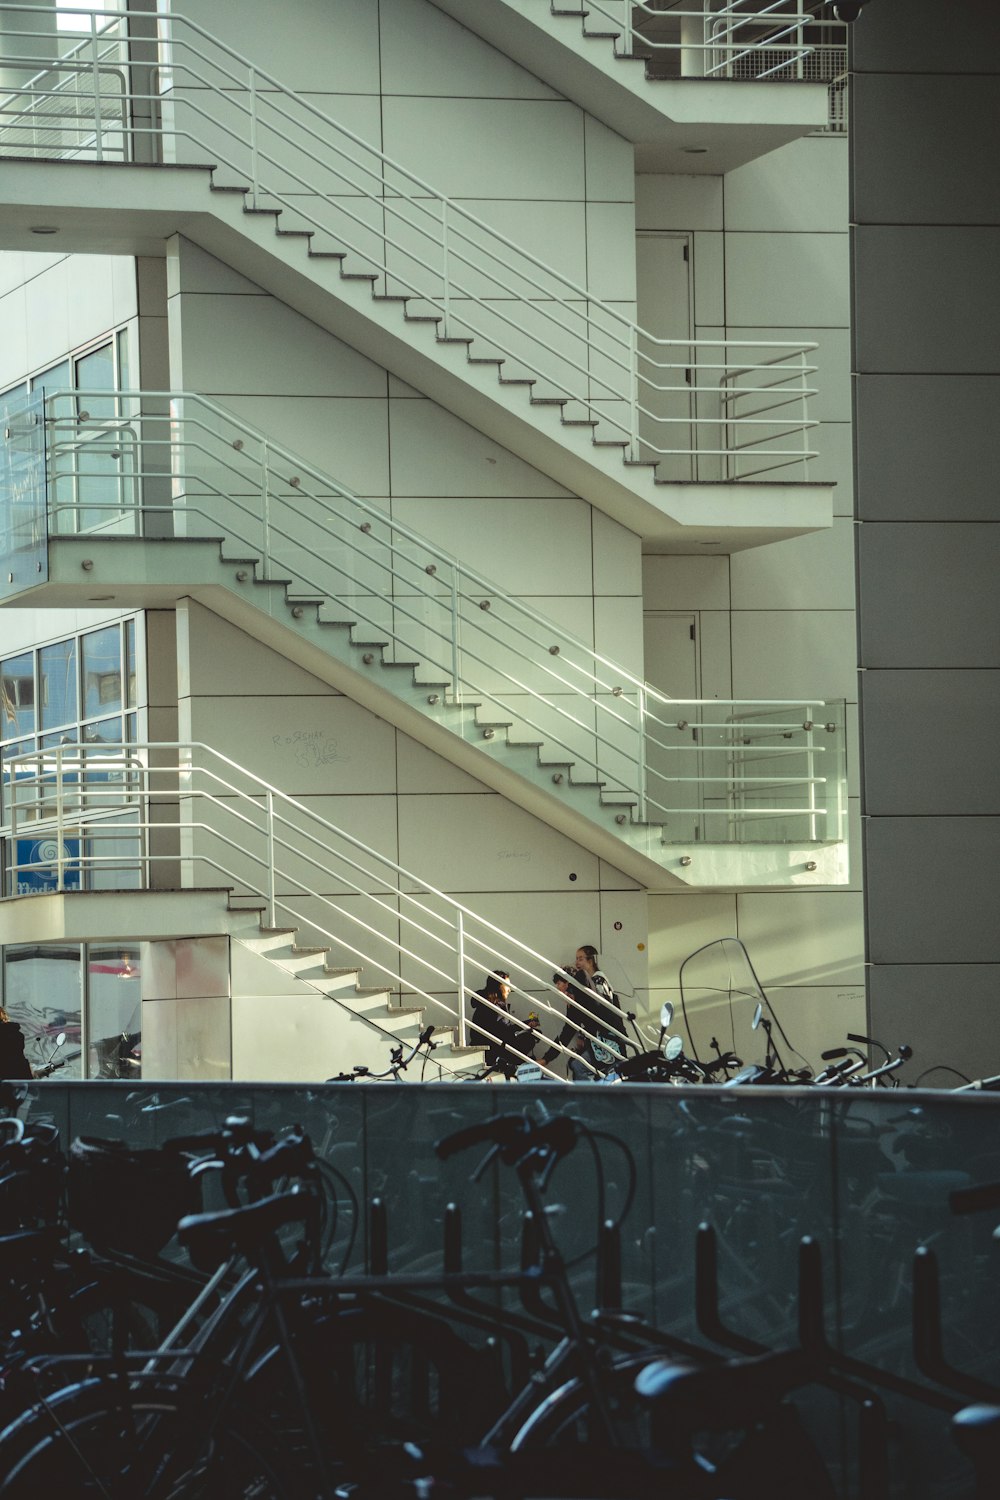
494,1023
13,1063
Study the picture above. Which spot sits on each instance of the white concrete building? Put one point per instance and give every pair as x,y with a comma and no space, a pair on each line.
419,293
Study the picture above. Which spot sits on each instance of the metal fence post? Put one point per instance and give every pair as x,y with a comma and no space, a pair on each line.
460,955
271,904
254,160
633,395
445,269
95,80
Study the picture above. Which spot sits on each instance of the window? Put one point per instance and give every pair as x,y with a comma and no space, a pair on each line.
86,695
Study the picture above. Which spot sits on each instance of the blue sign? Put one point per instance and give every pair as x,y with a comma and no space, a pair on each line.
36,866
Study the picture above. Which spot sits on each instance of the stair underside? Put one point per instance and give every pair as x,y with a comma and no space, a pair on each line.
665,118
163,572
114,209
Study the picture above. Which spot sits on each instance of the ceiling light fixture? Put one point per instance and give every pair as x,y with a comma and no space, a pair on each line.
44,229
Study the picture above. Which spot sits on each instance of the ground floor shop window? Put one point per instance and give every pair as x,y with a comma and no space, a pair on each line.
89,993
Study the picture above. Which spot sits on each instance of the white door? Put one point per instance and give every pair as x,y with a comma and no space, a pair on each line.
663,298
670,643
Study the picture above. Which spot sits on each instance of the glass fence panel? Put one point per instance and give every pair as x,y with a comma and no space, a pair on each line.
716,1191
23,539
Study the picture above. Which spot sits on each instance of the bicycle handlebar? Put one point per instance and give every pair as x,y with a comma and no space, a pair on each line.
514,1136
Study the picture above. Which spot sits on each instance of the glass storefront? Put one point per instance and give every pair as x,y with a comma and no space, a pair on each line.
89,994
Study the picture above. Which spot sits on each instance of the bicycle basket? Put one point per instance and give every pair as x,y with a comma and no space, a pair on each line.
126,1200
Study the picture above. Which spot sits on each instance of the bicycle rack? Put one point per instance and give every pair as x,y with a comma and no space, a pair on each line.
928,1347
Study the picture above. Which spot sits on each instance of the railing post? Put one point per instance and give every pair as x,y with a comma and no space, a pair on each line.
460,956
811,773
95,81
60,813
445,270
271,903
805,414
456,650
254,160
633,395
642,757
265,507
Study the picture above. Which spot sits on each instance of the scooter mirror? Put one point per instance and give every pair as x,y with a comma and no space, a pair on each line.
666,1015
758,1012
673,1047
61,1039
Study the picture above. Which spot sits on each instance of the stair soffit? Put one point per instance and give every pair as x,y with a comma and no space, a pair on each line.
107,208
737,121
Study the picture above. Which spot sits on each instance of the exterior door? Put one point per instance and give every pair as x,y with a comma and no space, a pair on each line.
663,297
672,754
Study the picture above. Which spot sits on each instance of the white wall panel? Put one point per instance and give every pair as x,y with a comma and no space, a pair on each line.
256,346
610,252
476,148
675,202
776,656
301,744
434,453
425,52
806,572
617,558
802,187
789,279
536,545
491,846
685,583
324,49
804,937
346,438
610,163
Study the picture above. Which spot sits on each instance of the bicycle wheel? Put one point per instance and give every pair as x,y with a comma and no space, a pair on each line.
772,1460
89,1440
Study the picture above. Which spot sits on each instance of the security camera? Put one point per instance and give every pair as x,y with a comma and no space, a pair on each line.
848,10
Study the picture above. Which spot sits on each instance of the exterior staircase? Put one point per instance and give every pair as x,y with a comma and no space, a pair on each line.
377,611
282,193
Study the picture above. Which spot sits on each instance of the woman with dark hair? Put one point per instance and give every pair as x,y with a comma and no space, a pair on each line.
489,1020
13,1063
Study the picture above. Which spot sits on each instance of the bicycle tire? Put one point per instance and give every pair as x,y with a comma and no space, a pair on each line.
726,1465
88,1440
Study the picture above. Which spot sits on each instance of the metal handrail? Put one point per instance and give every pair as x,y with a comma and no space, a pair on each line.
81,794
434,249
492,651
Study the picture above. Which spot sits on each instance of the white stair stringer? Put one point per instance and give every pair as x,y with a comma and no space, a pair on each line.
582,55
107,208
322,638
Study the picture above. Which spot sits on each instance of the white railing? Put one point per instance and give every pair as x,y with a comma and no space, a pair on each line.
150,816
169,464
709,39
193,99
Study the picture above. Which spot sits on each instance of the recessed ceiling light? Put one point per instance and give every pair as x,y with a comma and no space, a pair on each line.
709,544
694,150
100,598
44,229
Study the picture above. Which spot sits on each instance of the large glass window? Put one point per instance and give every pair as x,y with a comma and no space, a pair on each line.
91,995
58,684
80,691
114,1012
43,993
